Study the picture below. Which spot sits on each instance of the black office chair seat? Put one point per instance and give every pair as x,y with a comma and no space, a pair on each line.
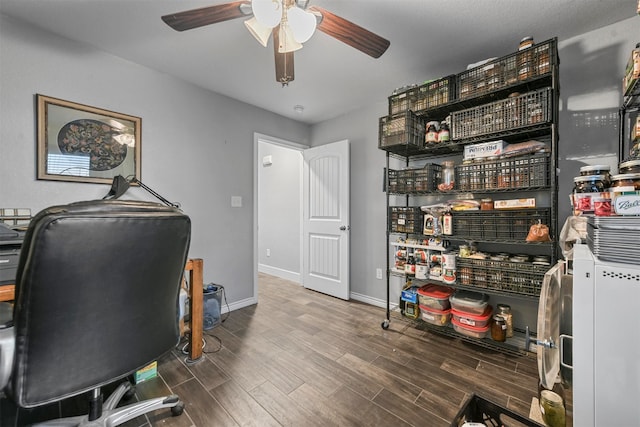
96,299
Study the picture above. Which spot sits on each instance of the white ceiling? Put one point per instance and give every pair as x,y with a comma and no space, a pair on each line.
429,39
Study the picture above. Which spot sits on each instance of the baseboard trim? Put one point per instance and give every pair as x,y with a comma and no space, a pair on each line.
372,301
238,304
280,272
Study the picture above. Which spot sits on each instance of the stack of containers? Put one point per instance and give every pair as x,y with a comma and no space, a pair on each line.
598,192
434,304
471,313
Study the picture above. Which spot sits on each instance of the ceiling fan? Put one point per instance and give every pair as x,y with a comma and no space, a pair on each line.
291,22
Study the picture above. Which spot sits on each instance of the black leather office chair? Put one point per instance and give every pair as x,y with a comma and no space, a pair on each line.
96,299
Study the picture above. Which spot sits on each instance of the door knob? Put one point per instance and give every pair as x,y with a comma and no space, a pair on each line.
345,227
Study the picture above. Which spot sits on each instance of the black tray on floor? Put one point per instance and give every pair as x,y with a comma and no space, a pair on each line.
479,410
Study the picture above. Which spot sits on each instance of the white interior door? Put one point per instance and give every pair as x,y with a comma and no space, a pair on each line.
325,224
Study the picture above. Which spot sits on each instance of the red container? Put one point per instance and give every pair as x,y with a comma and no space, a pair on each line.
470,331
472,319
435,296
435,317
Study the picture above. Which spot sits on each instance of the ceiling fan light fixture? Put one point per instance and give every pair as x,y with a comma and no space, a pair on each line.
302,23
258,31
286,40
267,12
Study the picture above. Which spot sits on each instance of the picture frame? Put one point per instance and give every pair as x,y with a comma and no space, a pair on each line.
80,143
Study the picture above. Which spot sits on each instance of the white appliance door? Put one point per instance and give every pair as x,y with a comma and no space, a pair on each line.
617,345
326,219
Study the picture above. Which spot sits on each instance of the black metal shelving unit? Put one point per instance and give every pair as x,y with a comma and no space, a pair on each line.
412,151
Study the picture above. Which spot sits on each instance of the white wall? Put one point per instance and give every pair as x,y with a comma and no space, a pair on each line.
197,146
279,211
591,68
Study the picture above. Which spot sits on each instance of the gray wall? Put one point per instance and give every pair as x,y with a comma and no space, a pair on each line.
197,146
279,211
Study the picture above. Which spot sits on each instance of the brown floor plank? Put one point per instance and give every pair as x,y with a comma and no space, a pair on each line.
364,412
283,408
244,409
204,410
409,411
402,388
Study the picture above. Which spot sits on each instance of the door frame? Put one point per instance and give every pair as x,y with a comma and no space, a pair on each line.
257,138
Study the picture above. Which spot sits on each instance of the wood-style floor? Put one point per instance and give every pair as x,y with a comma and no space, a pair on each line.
301,358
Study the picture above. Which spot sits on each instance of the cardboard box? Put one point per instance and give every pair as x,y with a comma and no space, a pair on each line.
485,149
515,203
146,373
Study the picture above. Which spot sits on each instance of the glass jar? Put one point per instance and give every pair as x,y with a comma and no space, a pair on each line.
630,166
486,205
410,266
444,134
505,311
603,170
464,251
543,64
626,180
431,137
601,206
524,59
583,191
498,328
552,409
448,176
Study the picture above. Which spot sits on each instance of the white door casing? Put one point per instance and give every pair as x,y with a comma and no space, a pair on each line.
326,219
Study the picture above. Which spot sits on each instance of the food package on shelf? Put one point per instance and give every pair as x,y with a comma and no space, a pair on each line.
484,149
522,148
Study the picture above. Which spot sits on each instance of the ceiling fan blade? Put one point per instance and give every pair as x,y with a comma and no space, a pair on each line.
195,18
284,61
350,33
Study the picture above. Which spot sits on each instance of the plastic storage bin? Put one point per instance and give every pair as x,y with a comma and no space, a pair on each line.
469,302
470,331
435,317
435,296
470,319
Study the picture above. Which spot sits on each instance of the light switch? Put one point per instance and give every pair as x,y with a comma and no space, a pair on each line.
236,201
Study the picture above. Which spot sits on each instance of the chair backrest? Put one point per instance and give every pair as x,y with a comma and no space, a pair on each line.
96,295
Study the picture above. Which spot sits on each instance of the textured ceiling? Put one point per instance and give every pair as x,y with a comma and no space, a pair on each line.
429,39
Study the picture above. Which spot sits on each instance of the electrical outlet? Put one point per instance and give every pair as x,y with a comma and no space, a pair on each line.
268,252
379,273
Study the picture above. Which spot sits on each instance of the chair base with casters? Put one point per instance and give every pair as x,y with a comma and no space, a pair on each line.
112,416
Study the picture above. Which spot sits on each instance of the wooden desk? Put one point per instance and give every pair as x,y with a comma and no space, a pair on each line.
196,316
194,267
7,292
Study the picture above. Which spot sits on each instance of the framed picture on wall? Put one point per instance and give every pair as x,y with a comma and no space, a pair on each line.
80,143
